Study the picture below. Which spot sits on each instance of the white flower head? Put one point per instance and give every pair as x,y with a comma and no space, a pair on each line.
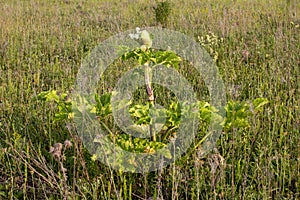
135,35
138,30
146,40
143,37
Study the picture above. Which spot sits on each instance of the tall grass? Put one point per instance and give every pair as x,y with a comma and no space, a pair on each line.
42,44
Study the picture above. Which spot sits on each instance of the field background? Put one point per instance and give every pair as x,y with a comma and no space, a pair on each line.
42,44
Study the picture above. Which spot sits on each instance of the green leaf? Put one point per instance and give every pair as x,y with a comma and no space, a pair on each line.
49,96
165,152
259,103
143,129
237,114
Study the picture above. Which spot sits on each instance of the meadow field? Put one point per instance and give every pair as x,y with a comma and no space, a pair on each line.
255,45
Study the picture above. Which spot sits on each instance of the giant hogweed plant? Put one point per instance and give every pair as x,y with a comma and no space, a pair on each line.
167,120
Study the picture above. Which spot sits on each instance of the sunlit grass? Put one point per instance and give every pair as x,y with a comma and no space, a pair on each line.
42,44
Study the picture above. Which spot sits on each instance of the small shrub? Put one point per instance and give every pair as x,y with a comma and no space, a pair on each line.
162,12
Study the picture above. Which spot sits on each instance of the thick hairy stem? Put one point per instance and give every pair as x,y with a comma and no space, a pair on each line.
148,83
150,95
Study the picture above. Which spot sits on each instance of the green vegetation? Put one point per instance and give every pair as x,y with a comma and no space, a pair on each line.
255,45
162,12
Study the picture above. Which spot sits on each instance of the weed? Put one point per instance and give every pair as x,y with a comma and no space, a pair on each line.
41,48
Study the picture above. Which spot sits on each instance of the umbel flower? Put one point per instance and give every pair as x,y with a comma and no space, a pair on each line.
135,35
143,37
